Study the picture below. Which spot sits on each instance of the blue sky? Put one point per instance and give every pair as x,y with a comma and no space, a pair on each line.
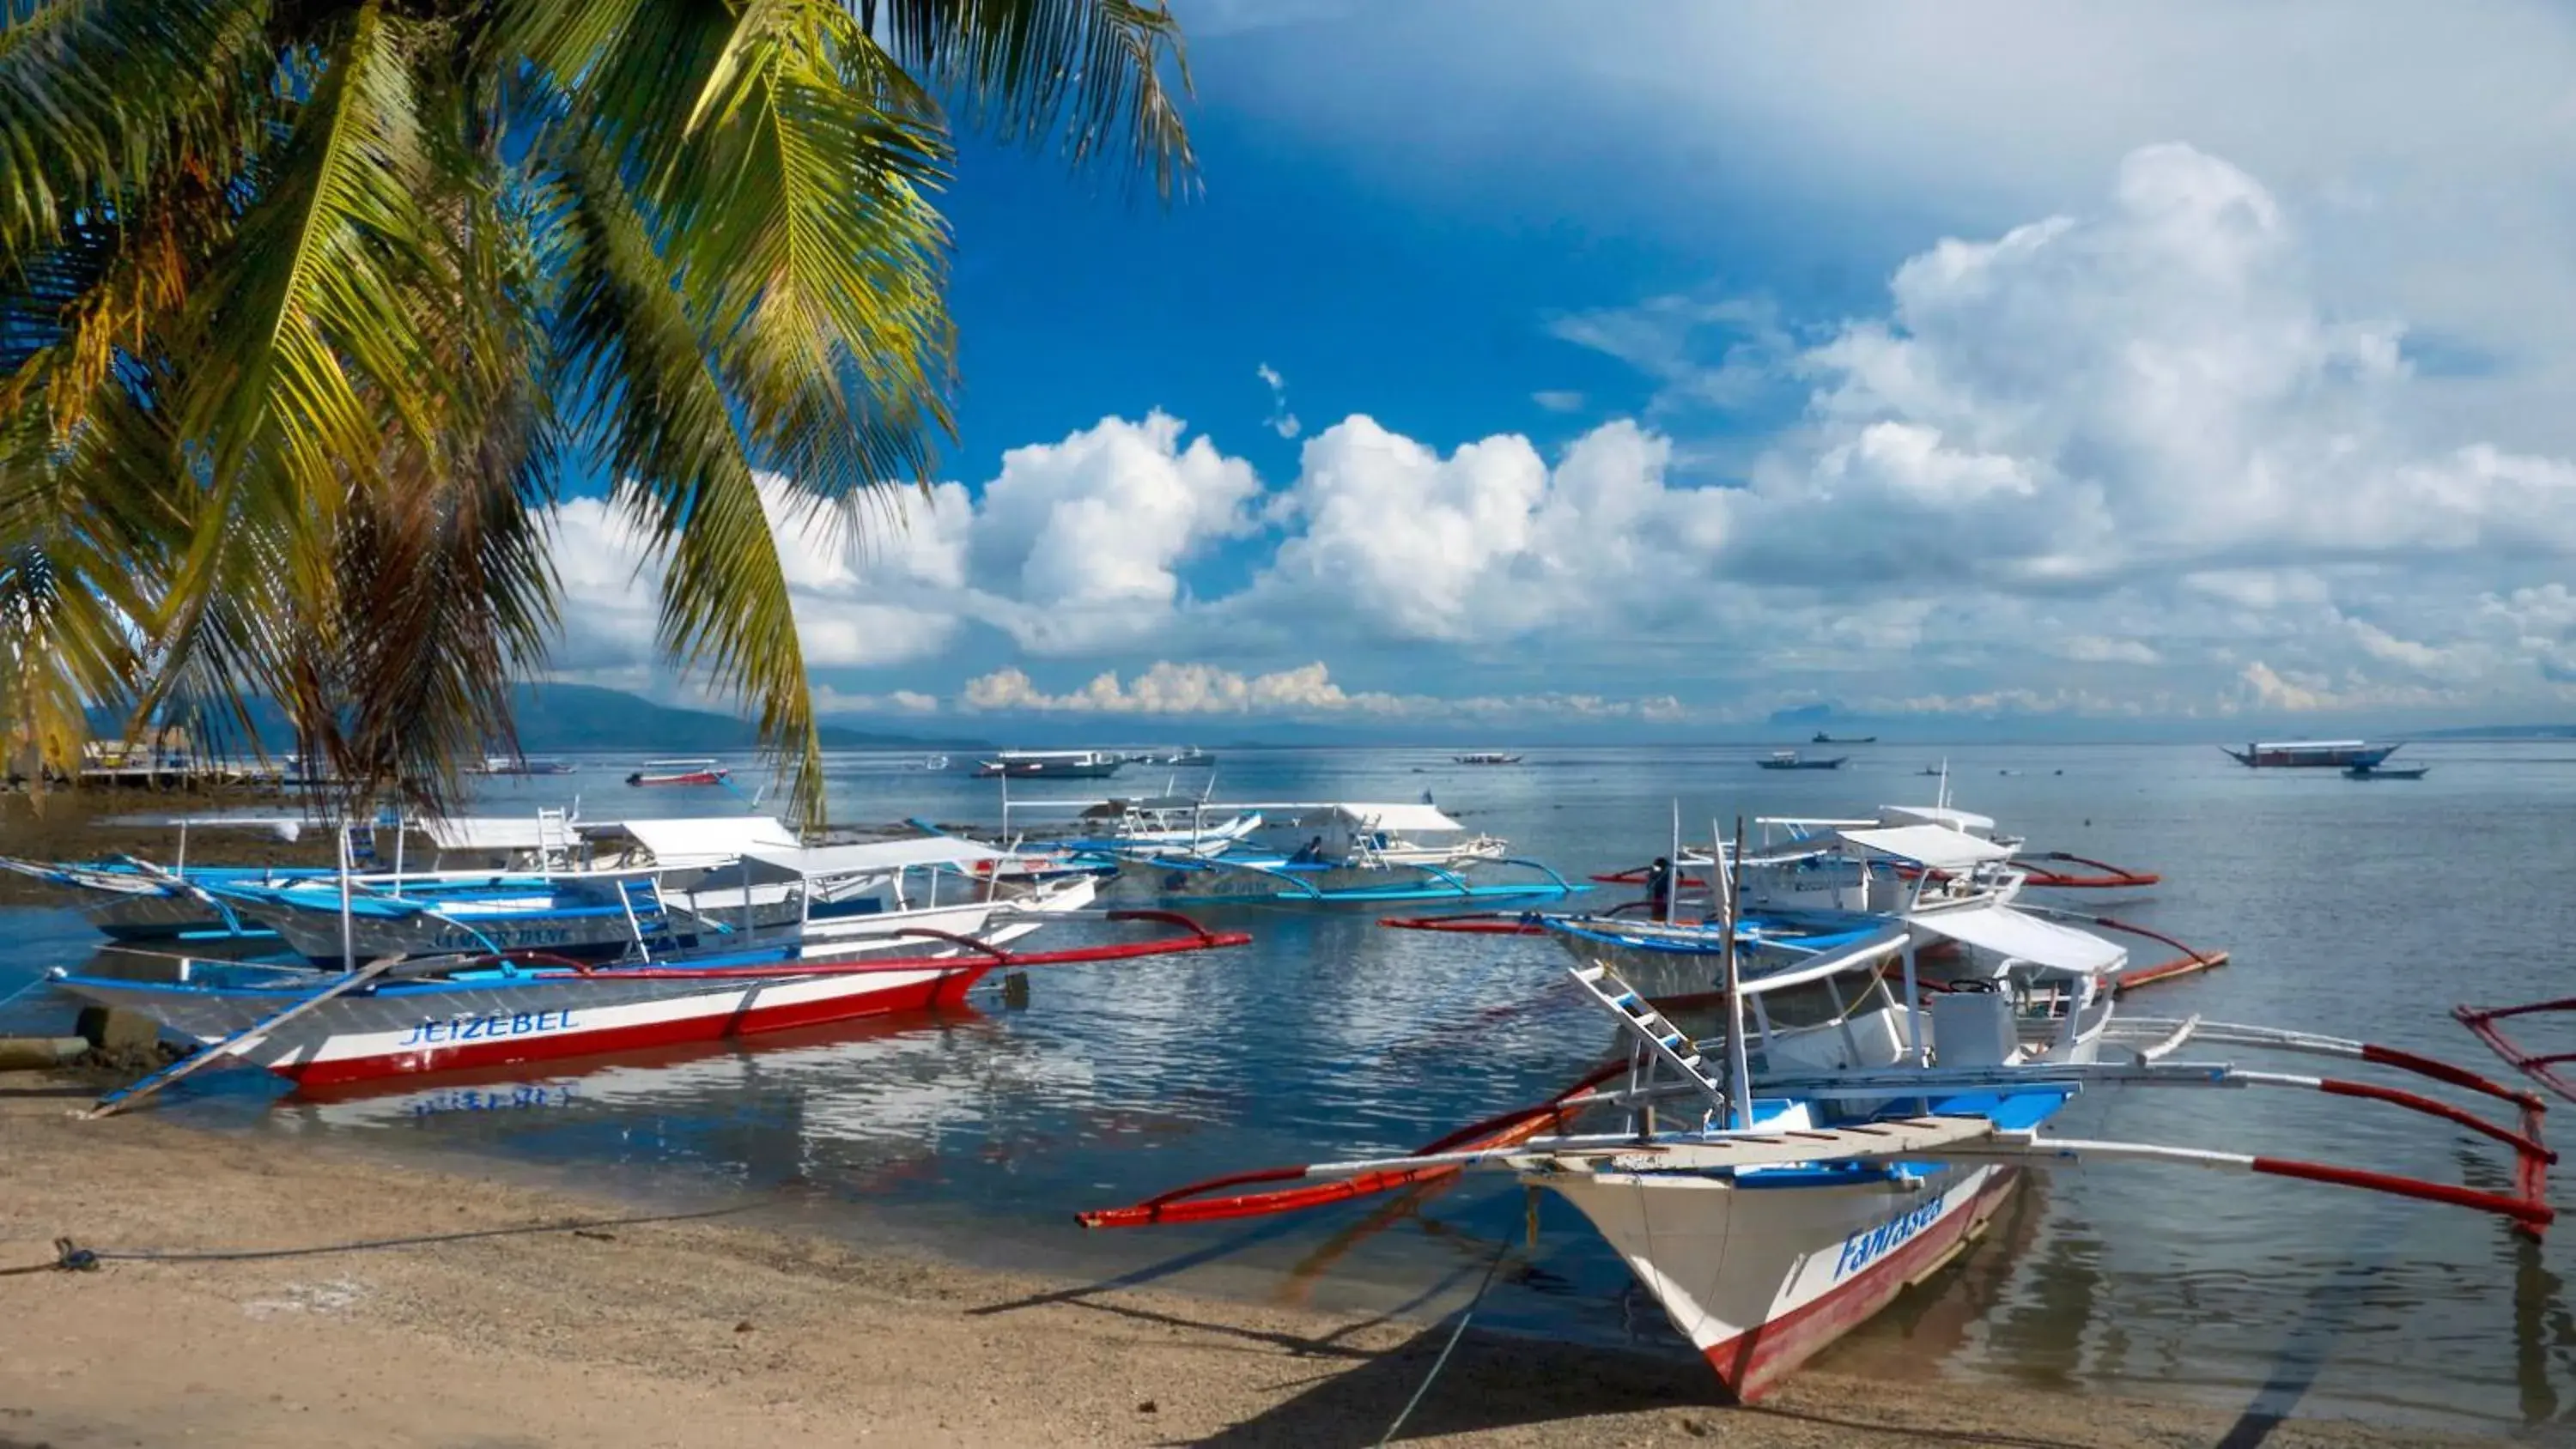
1656,368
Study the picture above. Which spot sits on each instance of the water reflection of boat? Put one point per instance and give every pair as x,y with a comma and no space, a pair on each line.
857,1105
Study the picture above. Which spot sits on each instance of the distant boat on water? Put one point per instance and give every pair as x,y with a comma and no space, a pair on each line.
2310,754
524,765
1792,760
680,772
2387,772
1486,757
1051,765
1822,738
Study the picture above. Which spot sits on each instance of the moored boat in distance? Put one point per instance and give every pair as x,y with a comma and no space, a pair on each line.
2310,754
523,765
2387,772
1822,738
1051,765
1486,757
1792,760
680,772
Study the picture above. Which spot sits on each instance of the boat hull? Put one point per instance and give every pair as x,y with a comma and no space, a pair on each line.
1760,1280
313,929
2312,757
402,1031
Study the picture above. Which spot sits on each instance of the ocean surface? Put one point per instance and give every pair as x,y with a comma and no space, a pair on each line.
2361,909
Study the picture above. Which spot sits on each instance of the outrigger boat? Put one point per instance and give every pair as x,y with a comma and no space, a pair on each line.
2310,754
130,899
1350,853
1778,1186
390,1017
523,765
1052,765
1134,825
676,902
1792,760
680,772
504,857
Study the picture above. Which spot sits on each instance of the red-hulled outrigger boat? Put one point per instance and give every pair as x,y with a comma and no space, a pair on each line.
401,1017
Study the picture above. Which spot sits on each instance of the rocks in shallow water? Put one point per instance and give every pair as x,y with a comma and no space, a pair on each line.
111,1029
38,1053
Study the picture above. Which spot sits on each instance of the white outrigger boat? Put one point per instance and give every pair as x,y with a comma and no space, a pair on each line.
676,901
1130,825
1775,1187
859,945
1340,852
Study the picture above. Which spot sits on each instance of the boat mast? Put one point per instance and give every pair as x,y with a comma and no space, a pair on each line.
348,927
1739,1071
1673,864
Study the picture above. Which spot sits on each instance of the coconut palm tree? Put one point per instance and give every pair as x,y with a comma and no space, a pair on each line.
308,307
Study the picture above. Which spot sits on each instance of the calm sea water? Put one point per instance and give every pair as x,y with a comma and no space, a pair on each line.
2352,908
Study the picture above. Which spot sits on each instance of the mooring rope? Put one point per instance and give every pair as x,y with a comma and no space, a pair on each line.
70,1257
1500,1250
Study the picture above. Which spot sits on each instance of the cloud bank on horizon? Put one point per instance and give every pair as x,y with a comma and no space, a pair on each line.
2136,457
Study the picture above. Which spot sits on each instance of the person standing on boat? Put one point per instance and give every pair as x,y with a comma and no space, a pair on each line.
1659,888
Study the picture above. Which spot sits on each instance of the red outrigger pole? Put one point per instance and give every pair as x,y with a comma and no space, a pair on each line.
2106,877
1470,923
1191,1204
2540,1067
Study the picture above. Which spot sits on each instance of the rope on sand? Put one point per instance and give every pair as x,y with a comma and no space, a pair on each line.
1455,1334
70,1257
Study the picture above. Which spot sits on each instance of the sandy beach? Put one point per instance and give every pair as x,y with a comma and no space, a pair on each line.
715,1331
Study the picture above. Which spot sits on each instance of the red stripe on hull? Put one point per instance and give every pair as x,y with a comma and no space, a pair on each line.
1751,1364
943,991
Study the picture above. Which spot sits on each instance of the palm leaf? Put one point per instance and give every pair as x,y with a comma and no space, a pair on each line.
682,474
1087,73
100,99
304,353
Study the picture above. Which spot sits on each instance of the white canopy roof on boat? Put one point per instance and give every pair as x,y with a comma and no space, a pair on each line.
284,827
1942,815
872,857
1404,818
493,832
2009,932
1935,847
698,840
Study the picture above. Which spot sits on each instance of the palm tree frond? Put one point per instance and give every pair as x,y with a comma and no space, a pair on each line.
306,356
634,351
1089,73
101,98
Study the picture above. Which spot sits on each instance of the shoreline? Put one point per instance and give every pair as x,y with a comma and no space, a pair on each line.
710,1328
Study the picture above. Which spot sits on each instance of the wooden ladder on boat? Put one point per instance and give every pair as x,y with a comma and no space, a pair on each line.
1662,1039
133,1092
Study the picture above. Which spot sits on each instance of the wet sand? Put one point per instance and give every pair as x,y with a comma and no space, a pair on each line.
714,1331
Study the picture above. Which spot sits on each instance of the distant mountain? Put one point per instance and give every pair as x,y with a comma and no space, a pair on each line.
2499,732
558,718
554,717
